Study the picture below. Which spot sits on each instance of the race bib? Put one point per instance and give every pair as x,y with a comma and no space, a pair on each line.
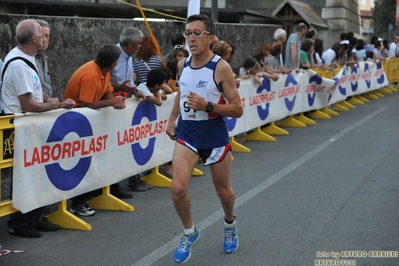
188,113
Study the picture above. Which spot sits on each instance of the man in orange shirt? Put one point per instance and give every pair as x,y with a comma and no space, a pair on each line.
90,86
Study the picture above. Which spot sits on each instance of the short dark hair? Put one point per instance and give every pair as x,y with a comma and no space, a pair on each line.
353,41
208,22
155,77
107,55
343,36
301,27
370,54
350,35
178,38
310,34
167,71
306,45
360,44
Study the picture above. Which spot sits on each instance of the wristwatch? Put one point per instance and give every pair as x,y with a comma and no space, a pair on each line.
209,107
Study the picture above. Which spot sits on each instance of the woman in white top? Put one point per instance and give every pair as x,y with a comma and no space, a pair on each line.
360,52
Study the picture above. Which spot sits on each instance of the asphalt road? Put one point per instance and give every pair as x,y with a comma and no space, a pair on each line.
321,192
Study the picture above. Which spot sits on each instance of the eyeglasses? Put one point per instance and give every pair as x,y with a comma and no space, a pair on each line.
195,33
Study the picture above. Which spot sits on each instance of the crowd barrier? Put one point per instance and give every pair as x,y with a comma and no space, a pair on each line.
63,153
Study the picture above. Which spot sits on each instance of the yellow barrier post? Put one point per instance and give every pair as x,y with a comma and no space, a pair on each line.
379,94
157,179
272,129
306,120
6,151
319,114
258,135
65,219
291,122
328,111
107,201
237,147
371,96
361,98
347,105
339,107
197,172
354,101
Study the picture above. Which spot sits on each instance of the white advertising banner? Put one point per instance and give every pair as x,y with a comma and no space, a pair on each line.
64,153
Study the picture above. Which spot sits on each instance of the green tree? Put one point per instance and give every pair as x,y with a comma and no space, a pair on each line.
384,13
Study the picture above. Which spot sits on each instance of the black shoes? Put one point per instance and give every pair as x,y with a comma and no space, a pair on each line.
119,192
33,232
26,231
136,184
46,226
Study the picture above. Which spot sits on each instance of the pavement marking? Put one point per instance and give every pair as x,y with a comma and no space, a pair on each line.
208,221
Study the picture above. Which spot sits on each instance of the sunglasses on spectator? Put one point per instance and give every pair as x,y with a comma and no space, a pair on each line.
180,46
195,33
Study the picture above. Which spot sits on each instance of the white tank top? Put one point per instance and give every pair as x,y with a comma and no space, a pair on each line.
202,82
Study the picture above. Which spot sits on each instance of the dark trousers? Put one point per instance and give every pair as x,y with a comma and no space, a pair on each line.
19,219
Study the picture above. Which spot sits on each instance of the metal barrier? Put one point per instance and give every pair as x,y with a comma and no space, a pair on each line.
106,201
6,163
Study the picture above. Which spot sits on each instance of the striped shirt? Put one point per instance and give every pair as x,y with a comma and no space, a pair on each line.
141,69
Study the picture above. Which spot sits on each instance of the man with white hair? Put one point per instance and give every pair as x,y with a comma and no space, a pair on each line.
280,35
22,92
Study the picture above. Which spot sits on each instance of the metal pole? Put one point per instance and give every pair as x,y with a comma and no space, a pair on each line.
214,14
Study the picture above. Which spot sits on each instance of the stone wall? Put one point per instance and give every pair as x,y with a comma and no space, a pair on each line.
74,41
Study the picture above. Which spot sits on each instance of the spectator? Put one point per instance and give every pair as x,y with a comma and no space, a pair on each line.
41,59
251,69
393,47
280,35
152,89
330,55
373,39
318,52
232,54
22,92
261,53
178,53
292,59
147,59
378,50
222,49
385,50
121,75
360,52
306,53
272,60
311,34
370,56
90,86
343,38
177,39
352,48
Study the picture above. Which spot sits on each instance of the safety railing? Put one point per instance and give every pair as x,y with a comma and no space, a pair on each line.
328,91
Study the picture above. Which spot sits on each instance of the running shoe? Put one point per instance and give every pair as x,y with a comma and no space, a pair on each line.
230,243
183,251
82,210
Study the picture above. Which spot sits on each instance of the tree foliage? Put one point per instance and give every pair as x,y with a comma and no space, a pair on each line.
384,13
